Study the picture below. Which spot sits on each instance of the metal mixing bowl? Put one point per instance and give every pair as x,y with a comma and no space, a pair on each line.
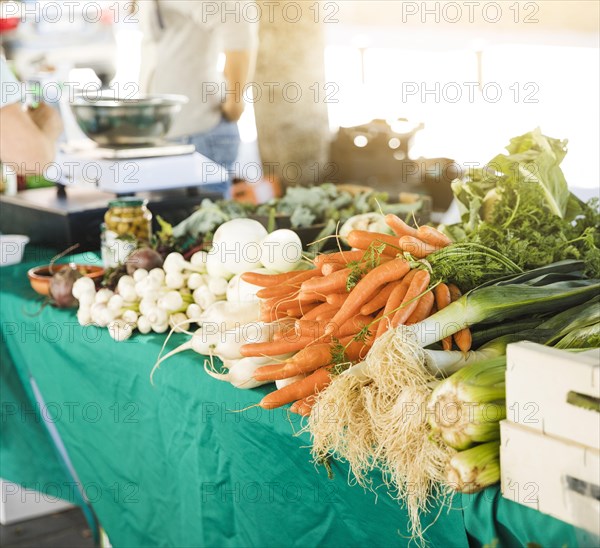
145,120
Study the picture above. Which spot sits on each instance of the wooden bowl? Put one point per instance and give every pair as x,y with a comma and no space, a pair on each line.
40,276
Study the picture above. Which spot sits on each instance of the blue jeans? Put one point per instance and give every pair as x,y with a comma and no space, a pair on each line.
220,144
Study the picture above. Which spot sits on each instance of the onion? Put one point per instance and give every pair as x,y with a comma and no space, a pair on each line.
145,258
61,287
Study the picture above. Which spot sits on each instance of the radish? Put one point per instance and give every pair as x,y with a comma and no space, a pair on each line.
236,248
286,382
281,251
214,340
230,315
226,344
239,291
240,373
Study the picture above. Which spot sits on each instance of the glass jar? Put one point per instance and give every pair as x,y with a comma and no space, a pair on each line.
114,250
129,217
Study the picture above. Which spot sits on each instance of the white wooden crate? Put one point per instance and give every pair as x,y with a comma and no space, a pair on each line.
538,382
554,476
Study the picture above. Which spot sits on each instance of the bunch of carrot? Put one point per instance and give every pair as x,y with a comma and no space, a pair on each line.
333,313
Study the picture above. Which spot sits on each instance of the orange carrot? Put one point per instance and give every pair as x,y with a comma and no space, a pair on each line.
337,299
282,290
340,257
442,300
327,314
311,297
418,285
423,309
299,311
366,288
463,338
298,390
274,348
398,226
379,300
285,332
272,280
416,247
311,358
303,362
394,301
323,307
455,293
433,237
316,329
304,406
268,311
330,268
334,283
362,239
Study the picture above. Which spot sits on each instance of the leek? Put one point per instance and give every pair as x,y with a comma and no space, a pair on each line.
583,315
443,363
474,469
583,337
487,333
496,303
467,407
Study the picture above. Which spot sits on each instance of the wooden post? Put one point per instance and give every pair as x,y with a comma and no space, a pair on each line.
291,113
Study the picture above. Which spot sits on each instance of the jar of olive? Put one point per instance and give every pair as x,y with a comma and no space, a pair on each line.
129,217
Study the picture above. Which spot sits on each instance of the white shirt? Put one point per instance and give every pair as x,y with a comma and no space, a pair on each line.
183,56
10,87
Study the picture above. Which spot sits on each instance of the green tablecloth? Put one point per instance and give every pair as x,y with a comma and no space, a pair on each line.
171,465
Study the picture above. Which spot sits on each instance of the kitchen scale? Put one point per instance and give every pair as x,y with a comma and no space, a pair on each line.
129,170
170,176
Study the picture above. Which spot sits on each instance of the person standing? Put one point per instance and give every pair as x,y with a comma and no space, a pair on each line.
182,45
27,136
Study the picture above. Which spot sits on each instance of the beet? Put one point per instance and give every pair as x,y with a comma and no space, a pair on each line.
61,287
145,258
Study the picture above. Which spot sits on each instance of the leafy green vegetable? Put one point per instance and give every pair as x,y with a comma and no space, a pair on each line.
520,206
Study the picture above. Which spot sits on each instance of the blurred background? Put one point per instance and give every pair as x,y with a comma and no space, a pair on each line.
382,83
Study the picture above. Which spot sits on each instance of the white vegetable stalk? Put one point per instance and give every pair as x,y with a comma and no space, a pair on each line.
471,470
443,363
240,374
282,383
467,407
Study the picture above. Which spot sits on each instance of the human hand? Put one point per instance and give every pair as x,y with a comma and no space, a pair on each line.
233,108
47,119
